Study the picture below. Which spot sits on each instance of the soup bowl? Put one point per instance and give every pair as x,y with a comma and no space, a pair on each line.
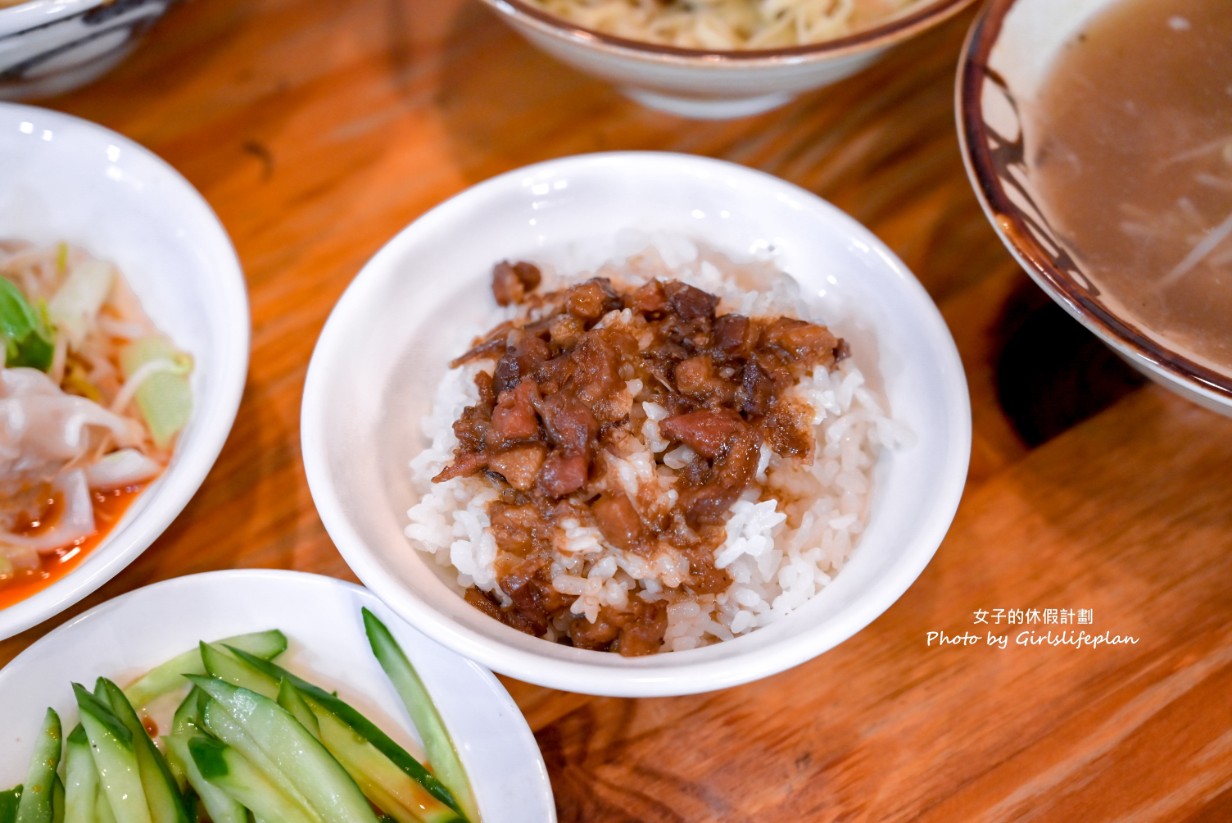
1008,57
388,342
717,84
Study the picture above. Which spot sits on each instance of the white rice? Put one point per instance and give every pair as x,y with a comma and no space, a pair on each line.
779,552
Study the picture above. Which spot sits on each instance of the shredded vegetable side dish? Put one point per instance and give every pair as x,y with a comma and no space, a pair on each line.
92,397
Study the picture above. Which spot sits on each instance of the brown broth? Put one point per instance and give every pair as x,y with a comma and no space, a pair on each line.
1134,166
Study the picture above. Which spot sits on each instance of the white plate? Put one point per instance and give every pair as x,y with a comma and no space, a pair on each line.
321,618
388,341
66,179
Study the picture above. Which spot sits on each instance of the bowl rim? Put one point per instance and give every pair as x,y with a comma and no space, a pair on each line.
591,672
31,14
1013,226
232,369
894,29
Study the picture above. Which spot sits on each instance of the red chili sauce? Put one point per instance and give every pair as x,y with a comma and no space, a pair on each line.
109,507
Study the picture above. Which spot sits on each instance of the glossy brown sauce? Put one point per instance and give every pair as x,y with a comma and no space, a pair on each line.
557,398
109,507
1134,164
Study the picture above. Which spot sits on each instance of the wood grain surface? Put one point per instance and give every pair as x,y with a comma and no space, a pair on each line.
318,129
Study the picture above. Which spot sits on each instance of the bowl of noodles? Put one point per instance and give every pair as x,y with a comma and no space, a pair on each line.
123,353
715,59
664,425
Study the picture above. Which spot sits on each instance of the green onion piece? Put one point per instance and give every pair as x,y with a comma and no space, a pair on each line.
24,332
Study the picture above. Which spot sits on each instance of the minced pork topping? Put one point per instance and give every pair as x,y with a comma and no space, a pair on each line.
569,379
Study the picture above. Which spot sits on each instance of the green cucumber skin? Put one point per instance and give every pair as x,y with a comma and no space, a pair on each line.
221,726
392,790
227,769
8,804
111,744
80,778
161,791
292,699
361,725
36,799
221,807
187,717
167,677
227,666
308,765
442,753
57,800
223,664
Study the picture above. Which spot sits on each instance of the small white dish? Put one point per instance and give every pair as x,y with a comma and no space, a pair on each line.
389,339
66,179
321,617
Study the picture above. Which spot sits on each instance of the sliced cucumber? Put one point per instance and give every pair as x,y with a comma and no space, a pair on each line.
381,781
57,800
35,803
231,772
442,753
80,779
161,791
224,664
360,724
9,801
221,806
331,792
390,788
102,807
169,677
187,717
217,723
111,743
292,699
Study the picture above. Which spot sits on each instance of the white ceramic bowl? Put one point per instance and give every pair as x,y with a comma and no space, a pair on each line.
1009,51
716,84
387,343
50,47
68,179
124,637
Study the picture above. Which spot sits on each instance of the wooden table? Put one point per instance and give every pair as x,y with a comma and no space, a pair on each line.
318,129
